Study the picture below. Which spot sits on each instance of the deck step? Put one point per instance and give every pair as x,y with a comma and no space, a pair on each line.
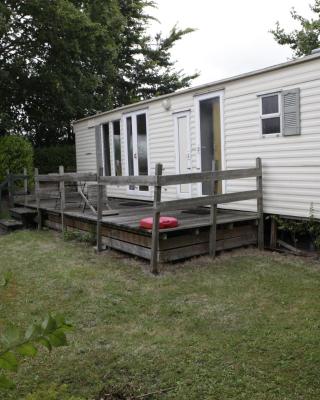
24,215
9,225
22,211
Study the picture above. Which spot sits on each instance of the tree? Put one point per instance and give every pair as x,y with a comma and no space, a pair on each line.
144,64
301,41
16,153
64,59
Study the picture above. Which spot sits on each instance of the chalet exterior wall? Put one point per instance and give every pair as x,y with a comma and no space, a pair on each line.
291,164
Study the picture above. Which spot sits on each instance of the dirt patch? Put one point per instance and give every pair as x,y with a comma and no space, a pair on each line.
131,392
110,393
113,396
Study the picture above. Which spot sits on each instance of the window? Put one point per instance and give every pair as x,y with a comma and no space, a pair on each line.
270,114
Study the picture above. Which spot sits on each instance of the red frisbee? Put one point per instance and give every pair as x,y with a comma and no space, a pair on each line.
164,222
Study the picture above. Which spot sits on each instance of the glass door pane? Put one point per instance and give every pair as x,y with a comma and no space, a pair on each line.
117,148
142,149
130,149
209,132
106,150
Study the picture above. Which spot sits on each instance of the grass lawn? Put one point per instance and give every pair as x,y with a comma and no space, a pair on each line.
245,326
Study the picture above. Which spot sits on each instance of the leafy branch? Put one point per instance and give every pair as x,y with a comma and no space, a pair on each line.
50,333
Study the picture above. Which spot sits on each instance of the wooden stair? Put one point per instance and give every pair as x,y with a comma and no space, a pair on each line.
24,215
10,225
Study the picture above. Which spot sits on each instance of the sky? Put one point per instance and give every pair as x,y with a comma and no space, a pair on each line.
232,36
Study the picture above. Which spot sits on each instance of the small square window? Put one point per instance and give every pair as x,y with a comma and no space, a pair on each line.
270,125
270,104
270,114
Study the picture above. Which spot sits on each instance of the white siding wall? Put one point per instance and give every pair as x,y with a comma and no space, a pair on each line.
291,165
161,142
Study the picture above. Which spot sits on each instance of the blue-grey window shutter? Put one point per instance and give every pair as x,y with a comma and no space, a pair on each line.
291,112
98,147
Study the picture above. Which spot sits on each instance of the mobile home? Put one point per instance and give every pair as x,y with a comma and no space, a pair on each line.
272,113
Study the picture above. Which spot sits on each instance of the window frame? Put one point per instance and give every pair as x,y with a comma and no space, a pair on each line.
111,147
103,144
271,115
133,115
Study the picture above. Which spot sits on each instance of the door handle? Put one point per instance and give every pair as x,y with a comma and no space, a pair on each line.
134,155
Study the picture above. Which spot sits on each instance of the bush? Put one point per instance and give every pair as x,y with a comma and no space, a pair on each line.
83,237
48,159
15,154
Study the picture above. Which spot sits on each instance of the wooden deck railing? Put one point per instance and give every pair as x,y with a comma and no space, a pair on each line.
158,181
212,200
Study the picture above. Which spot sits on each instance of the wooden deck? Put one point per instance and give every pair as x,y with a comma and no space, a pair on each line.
120,228
204,226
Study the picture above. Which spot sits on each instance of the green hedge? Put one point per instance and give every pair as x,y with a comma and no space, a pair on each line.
48,159
15,154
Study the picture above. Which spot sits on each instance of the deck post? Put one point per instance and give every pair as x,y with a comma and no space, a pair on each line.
105,193
155,225
260,205
10,189
273,233
213,218
99,209
25,186
37,193
62,198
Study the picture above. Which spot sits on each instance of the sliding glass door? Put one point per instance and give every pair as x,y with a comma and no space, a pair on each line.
111,154
209,135
137,147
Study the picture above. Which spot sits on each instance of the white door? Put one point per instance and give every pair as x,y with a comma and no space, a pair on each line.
183,150
137,147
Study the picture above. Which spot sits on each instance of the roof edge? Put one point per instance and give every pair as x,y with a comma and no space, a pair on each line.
205,85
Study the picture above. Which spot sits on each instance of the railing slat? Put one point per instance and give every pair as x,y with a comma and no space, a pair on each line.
143,180
207,200
19,176
68,177
166,180
151,180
